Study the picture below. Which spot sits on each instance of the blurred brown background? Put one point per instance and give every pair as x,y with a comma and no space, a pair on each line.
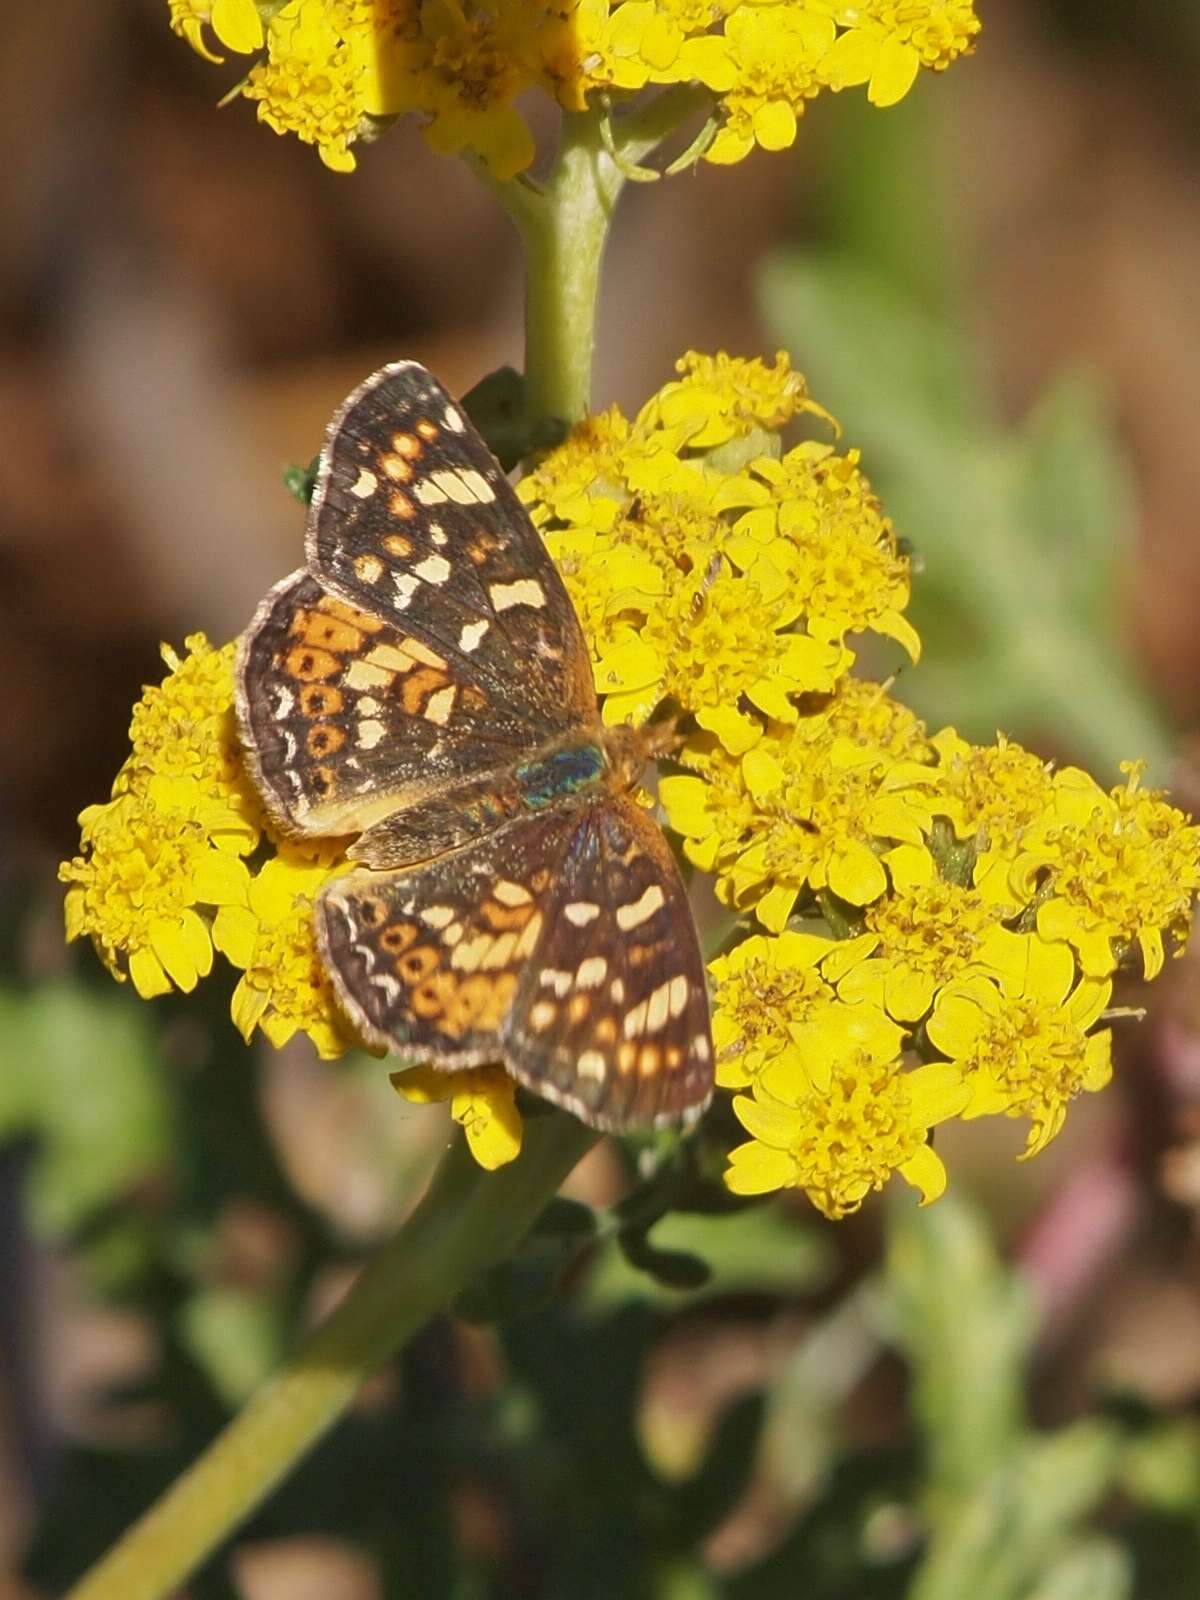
184,298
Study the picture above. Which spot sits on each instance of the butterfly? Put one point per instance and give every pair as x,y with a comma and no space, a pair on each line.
423,683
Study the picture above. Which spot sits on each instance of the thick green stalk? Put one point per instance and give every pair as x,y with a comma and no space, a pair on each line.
563,227
468,1221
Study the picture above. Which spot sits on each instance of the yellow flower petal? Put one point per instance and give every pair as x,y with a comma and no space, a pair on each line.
755,1169
893,73
147,973
926,1171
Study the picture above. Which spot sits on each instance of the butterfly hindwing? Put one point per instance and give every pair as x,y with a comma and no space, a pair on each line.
413,519
611,1018
427,961
562,944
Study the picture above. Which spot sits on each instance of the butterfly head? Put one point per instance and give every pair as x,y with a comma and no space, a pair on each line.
628,751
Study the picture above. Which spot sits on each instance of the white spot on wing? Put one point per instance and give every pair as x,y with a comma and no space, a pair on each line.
541,1014
429,494
388,657
511,894
406,587
364,485
581,912
679,995
362,675
524,592
434,569
471,635
439,706
452,418
591,973
658,1008
478,485
438,916
591,1065
369,734
640,910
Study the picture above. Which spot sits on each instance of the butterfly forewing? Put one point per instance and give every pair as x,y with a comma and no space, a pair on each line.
412,518
349,718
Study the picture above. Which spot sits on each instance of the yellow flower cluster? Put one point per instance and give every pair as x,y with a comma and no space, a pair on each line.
333,71
916,928
940,922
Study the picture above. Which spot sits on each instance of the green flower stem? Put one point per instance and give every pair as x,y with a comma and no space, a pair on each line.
563,227
469,1220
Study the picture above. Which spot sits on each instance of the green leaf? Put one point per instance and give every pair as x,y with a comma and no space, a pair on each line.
965,1324
235,1337
498,406
995,1543
300,482
1097,1570
80,1075
1161,1467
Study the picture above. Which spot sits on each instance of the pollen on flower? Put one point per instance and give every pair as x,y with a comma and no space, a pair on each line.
843,1141
886,42
148,859
803,807
777,54
761,989
185,728
1119,868
706,646
312,82
722,397
925,934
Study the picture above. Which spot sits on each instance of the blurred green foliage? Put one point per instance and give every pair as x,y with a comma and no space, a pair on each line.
1019,529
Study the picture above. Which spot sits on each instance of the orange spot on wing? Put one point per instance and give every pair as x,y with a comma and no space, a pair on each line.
324,739
397,938
416,687
501,917
396,468
397,545
309,665
321,700
350,614
415,965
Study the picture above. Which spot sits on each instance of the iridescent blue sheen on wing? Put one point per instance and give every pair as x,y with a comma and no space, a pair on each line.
563,773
